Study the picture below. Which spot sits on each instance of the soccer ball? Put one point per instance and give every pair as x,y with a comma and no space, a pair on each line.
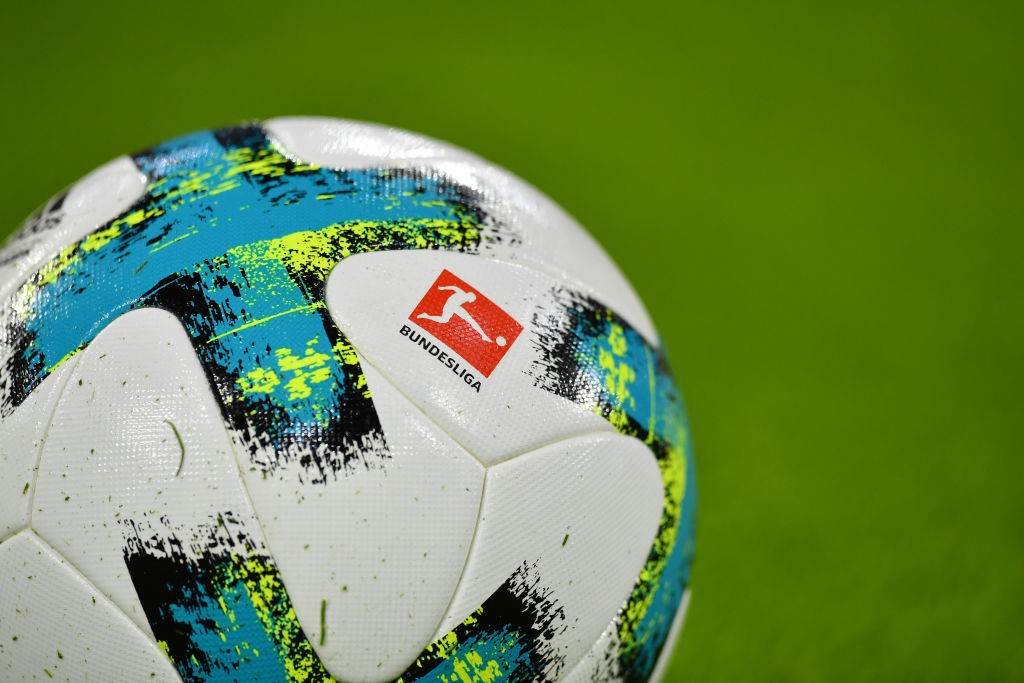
318,400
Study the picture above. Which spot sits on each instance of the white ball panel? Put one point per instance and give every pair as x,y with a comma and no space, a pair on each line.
337,143
21,437
57,626
94,200
551,240
600,664
371,297
112,453
583,513
383,547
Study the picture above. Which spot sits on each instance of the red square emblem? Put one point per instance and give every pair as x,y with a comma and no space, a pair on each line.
468,322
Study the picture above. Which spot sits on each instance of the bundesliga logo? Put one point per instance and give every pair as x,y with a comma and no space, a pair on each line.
467,322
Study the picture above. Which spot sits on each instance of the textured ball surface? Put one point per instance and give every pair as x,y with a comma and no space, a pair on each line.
319,400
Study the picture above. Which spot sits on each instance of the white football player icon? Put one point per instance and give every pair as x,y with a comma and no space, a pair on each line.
455,305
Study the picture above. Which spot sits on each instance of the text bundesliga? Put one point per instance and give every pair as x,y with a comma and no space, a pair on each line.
443,357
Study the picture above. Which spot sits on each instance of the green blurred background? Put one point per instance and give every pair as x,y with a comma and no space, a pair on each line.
820,203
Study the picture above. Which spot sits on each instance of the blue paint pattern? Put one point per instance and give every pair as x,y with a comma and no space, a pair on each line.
237,241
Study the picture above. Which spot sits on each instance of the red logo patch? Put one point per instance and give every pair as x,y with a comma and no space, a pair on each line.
470,324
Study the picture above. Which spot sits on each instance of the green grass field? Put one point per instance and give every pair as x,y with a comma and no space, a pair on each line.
822,206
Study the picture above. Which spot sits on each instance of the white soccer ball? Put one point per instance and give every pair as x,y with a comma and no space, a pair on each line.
315,400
